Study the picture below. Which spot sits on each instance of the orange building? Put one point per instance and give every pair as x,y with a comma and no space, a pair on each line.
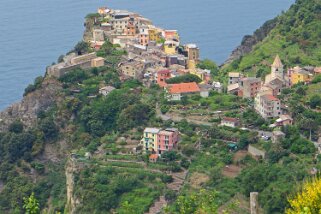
162,76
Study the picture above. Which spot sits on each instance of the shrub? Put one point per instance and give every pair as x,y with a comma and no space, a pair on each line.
77,75
315,101
308,199
16,127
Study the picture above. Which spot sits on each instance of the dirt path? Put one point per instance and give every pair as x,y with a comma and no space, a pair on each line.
178,181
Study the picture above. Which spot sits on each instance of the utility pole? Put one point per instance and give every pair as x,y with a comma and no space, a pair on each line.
254,202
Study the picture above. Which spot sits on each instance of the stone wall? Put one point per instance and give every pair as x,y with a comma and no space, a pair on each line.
256,152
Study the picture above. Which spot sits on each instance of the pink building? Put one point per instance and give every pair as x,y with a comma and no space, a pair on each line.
166,140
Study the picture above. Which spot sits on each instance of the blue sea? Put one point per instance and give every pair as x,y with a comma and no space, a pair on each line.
34,33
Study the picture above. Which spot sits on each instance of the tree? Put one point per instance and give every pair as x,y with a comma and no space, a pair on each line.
31,204
170,156
198,203
184,79
209,65
49,129
315,101
81,47
16,127
301,91
60,58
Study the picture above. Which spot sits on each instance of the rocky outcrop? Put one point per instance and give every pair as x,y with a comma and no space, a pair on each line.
27,109
249,41
71,168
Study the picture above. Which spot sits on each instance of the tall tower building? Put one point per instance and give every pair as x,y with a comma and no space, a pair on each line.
277,69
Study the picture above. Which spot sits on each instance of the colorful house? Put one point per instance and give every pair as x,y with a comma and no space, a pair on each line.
159,141
143,36
162,76
300,75
149,140
249,87
170,47
234,77
153,158
171,35
267,105
154,34
166,140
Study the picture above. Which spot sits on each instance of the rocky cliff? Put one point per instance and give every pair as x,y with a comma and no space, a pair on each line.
27,109
72,202
249,41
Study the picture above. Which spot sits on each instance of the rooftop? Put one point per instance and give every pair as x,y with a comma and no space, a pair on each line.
153,156
232,87
191,46
251,79
269,97
152,130
234,74
284,117
277,62
183,88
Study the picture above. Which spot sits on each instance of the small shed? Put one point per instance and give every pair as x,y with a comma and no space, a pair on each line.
153,158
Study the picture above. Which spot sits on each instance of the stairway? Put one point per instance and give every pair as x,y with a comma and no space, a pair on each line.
158,206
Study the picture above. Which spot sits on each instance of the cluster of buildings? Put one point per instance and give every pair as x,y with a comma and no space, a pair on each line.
265,92
154,54
72,61
157,141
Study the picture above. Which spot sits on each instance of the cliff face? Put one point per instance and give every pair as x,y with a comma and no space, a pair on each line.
27,109
72,202
249,41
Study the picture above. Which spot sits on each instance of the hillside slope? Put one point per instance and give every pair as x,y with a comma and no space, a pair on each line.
296,37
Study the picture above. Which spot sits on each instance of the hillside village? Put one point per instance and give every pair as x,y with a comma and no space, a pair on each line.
141,124
155,55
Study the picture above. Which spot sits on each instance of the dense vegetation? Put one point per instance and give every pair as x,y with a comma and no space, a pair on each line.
295,37
102,132
308,199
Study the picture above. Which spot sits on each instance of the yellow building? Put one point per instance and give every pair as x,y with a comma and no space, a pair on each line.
191,64
149,140
299,75
170,47
154,34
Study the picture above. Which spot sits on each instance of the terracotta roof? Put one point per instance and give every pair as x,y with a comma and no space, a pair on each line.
230,119
153,156
183,88
270,97
164,72
277,62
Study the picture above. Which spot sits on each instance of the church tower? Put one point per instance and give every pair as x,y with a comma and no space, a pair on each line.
277,69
